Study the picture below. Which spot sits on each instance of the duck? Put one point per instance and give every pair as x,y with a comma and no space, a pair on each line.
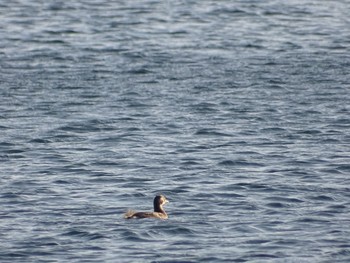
158,213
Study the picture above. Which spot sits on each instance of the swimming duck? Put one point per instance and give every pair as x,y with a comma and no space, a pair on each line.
159,212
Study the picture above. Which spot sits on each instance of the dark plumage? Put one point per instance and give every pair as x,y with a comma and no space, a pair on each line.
159,211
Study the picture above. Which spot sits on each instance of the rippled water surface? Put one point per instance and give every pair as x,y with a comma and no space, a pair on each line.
237,111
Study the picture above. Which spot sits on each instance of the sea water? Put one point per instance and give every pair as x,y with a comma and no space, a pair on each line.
237,111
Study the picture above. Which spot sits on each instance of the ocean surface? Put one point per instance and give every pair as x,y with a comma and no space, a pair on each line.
237,111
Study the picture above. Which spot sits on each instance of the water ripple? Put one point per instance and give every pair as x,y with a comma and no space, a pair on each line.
237,111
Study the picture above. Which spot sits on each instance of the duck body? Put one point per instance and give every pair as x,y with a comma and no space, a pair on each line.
132,214
159,211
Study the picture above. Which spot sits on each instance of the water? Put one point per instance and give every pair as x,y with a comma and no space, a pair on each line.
237,111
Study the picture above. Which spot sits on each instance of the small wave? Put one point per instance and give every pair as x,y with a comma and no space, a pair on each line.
228,195
324,198
276,205
129,235
85,234
176,230
343,167
313,220
337,208
38,140
211,132
139,71
240,163
285,199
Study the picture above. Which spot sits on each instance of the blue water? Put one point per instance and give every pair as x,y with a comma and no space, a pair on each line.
237,111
